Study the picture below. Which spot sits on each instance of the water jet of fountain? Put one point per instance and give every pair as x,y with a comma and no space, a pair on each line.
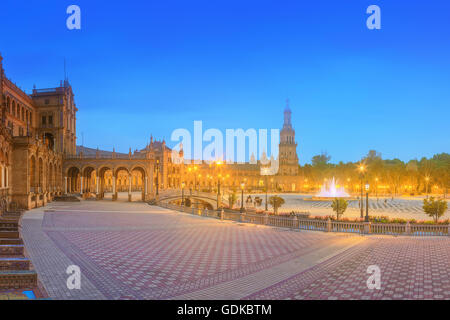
332,191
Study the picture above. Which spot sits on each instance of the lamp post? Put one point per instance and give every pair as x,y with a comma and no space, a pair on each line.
195,178
219,176
242,197
265,172
376,187
367,202
267,187
157,177
361,169
218,190
182,194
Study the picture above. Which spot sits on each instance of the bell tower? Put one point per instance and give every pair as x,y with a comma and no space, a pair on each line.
288,159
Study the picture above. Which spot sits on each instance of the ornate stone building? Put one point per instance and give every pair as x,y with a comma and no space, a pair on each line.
39,158
36,130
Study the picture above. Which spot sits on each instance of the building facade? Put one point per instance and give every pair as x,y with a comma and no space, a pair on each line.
39,158
36,131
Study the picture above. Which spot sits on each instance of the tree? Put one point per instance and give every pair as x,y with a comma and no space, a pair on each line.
434,208
276,202
339,206
187,202
320,160
232,198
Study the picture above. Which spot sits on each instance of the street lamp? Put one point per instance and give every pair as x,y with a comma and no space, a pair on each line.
367,202
427,179
376,187
182,193
157,177
242,196
361,169
265,172
195,178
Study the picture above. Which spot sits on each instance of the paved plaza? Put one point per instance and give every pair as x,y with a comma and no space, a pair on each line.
136,251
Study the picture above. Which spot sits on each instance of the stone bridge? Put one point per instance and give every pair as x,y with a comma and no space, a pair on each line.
206,199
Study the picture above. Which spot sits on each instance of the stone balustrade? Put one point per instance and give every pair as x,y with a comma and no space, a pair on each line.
319,225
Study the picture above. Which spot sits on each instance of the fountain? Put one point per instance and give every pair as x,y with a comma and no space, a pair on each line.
330,191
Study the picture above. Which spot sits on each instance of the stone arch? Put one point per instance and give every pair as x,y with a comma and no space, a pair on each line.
141,185
49,140
32,175
40,174
88,173
105,176
50,177
73,179
8,105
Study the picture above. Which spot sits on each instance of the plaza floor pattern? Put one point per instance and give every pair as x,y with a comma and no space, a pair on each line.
137,251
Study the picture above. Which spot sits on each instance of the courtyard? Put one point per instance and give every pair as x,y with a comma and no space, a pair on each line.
136,251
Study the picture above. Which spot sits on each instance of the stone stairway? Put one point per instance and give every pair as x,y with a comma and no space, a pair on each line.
15,270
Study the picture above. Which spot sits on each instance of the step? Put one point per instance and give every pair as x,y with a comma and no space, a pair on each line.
18,279
9,234
11,241
11,249
14,263
9,225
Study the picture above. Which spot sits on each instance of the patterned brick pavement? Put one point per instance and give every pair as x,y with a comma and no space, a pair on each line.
135,251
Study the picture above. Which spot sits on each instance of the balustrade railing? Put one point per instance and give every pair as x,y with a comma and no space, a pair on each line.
293,222
388,228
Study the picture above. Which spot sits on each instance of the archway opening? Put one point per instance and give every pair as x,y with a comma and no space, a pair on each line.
73,181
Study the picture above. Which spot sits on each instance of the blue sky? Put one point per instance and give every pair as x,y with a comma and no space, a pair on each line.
149,67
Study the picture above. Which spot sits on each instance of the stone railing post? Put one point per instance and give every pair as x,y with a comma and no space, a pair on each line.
193,210
294,222
408,228
367,227
242,217
266,218
221,214
329,225
448,230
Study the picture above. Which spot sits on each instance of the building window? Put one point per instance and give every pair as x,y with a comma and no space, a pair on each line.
47,101
50,120
44,120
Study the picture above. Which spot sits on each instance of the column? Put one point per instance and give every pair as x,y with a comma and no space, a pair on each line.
65,185
113,187
151,178
129,187
146,185
81,185
96,182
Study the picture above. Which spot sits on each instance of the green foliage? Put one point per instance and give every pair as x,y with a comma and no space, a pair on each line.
320,160
187,202
388,176
276,202
434,208
339,206
232,198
